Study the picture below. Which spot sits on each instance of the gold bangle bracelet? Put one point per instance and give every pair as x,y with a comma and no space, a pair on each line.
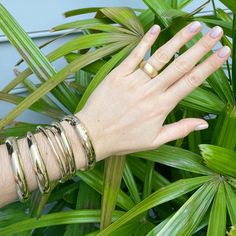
67,145
38,164
64,176
61,147
17,166
85,140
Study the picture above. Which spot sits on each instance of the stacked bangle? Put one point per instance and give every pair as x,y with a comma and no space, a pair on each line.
65,157
84,139
60,161
38,164
17,166
67,149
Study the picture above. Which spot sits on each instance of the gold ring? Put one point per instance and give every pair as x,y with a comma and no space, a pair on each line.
148,69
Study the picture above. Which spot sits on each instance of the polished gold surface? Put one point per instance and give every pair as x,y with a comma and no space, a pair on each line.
66,146
60,161
85,140
18,168
38,164
148,69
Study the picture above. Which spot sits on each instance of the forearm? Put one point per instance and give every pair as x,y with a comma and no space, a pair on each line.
7,183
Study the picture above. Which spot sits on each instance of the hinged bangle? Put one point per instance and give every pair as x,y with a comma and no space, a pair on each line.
38,164
85,140
67,146
17,166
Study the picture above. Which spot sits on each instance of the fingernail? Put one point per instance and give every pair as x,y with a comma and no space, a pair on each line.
224,51
215,32
201,127
154,29
193,27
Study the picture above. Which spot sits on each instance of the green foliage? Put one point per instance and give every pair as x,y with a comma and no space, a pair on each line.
184,188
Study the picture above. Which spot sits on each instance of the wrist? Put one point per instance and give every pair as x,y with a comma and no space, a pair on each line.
95,135
76,146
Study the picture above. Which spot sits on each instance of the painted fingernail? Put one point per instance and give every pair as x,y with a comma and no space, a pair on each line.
224,51
154,29
193,27
215,32
201,127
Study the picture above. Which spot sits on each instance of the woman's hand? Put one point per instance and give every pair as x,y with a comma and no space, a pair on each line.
127,110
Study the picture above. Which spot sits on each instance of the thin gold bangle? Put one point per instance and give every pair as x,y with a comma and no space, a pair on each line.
17,166
67,145
64,176
85,140
38,164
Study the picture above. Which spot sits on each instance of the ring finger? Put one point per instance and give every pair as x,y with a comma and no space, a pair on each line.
164,54
196,76
184,63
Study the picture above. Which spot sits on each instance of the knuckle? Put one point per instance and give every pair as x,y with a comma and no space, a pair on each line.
212,64
146,40
193,80
162,56
181,66
182,35
206,44
135,54
184,131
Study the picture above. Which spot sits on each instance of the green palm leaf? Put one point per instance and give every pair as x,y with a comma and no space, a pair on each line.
113,172
175,157
187,218
81,11
124,16
94,179
163,195
39,106
34,58
231,202
230,5
70,217
84,60
219,159
217,221
130,183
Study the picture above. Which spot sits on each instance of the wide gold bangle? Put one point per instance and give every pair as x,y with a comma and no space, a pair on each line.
38,164
84,139
67,146
17,166
61,164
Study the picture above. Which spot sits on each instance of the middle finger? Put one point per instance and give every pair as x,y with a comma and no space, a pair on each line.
184,63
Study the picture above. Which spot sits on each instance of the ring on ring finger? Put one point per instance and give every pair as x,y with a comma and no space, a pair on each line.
148,69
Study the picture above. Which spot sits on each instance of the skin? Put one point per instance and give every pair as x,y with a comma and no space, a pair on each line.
126,112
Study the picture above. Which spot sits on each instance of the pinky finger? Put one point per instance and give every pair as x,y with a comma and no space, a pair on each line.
179,129
197,75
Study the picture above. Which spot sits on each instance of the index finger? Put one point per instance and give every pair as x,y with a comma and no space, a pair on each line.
136,56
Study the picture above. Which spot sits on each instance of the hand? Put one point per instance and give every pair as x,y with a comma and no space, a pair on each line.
127,110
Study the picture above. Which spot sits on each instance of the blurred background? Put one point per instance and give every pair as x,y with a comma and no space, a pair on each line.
37,18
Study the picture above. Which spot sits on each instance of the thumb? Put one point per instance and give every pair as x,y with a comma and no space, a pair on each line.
180,129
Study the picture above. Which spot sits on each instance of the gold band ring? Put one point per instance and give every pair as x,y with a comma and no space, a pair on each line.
148,69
